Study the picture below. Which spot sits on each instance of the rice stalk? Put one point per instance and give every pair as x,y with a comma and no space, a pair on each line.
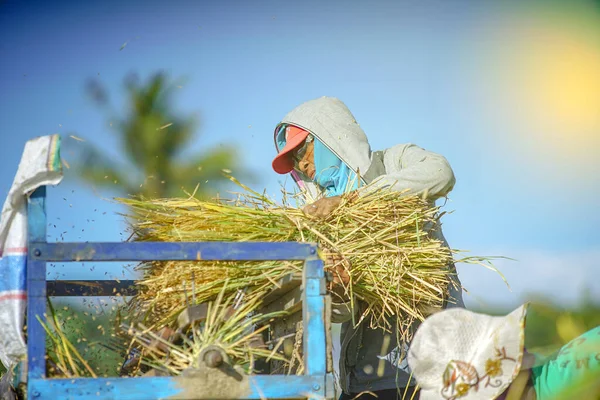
63,358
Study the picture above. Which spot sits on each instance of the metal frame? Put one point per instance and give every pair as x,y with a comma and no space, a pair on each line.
316,383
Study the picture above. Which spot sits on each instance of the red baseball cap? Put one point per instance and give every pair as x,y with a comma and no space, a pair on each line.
294,137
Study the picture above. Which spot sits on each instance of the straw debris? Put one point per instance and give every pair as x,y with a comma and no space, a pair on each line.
236,331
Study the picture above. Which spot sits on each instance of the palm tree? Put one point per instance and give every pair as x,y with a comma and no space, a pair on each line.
152,141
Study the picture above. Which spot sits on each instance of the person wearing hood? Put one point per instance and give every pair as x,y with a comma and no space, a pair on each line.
327,154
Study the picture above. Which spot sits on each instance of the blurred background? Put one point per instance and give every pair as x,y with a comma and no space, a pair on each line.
156,97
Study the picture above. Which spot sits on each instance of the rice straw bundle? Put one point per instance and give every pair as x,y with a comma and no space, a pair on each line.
63,360
397,267
232,330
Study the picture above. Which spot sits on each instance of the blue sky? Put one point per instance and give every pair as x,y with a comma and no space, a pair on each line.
506,92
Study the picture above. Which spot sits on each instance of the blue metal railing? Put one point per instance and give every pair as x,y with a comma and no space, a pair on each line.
315,383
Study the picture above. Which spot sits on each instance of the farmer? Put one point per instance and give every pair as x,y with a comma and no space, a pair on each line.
325,150
459,354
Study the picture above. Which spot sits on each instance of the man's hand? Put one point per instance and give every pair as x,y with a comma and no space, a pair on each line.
326,205
340,269
322,207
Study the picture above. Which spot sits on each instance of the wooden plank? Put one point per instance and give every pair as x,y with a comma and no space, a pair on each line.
290,302
170,251
36,287
313,316
62,288
285,285
197,386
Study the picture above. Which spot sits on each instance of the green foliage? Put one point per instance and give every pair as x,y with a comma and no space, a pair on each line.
549,326
154,141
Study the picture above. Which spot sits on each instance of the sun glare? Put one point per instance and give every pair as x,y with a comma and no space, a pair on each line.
563,77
